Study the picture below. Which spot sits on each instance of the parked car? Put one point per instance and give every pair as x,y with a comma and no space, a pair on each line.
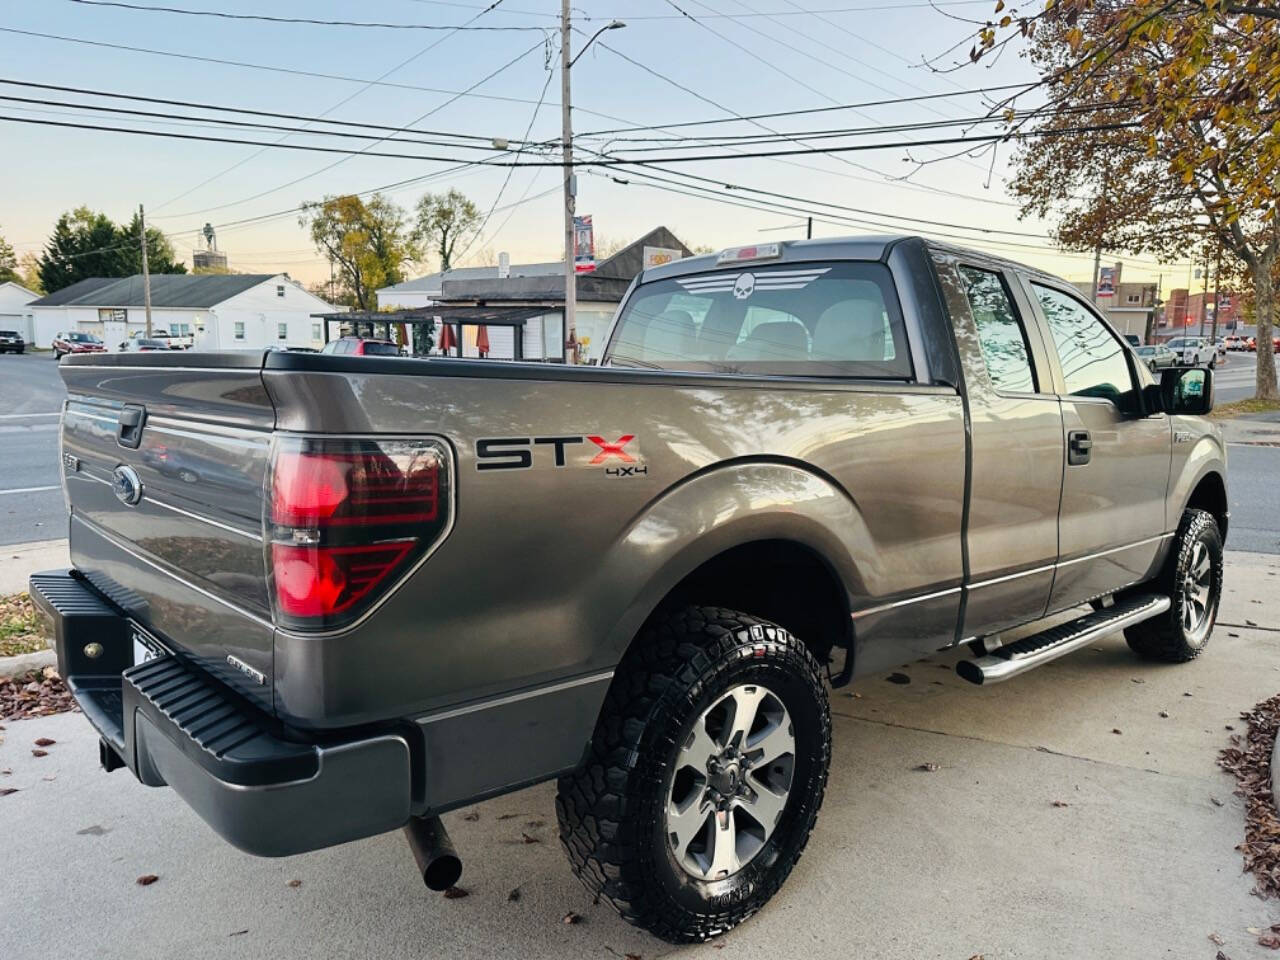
1234,342
1133,339
362,347
139,344
11,342
440,580
1194,351
1221,346
1157,356
76,341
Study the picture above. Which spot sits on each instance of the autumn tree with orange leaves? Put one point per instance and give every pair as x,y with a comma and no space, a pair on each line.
1160,132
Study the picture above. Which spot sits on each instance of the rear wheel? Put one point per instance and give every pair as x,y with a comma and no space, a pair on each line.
705,774
1192,579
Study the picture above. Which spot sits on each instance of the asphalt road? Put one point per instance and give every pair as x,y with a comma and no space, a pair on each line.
31,394
1076,812
1234,379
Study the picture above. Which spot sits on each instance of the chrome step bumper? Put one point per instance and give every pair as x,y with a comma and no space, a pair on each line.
1037,650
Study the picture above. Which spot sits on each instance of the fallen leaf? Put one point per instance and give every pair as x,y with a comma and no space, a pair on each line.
95,831
1165,714
570,918
855,696
1254,931
1215,801
147,879
633,956
1269,940
1060,803
238,933
471,817
899,678
1229,727
928,767
456,893
1186,694
295,883
50,778
1116,730
1217,938
1250,623
529,839
5,791
1136,680
45,742
514,895
1221,956
1230,634
39,753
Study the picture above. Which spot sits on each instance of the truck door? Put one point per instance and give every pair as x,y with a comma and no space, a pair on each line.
1016,447
1112,520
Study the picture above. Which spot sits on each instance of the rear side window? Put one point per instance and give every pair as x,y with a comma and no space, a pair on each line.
374,349
1093,361
839,319
1000,333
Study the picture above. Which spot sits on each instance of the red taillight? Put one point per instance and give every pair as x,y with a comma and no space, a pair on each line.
344,518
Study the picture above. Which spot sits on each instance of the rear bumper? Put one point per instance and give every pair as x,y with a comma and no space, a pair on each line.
172,724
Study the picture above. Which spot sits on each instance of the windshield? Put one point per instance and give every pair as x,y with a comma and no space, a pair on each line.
1146,351
838,319
82,338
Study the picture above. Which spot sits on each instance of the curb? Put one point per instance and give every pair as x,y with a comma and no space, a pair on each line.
25,663
1275,760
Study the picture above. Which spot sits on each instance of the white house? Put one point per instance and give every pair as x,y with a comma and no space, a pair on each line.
235,311
15,310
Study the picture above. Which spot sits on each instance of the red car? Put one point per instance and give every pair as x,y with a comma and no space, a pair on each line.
362,347
76,342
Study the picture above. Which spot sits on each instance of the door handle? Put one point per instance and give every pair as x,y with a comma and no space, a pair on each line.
1079,447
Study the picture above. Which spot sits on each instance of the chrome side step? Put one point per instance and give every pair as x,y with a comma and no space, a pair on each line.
1038,649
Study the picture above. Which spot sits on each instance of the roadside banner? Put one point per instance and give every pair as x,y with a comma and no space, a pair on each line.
1107,281
657,256
584,245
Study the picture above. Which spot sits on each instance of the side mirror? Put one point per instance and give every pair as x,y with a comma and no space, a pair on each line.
1186,391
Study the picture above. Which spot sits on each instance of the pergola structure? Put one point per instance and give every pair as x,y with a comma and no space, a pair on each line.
369,323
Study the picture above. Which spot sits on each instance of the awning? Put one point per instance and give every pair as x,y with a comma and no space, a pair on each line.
487,316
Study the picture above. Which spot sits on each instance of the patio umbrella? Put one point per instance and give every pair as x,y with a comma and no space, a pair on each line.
447,340
482,340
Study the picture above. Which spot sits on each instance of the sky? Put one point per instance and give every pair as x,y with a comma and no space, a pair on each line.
724,58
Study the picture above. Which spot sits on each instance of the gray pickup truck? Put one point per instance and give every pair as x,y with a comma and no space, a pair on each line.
324,597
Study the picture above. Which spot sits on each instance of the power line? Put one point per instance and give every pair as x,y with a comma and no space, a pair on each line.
345,100
883,177
365,151
247,111
221,15
891,101
611,161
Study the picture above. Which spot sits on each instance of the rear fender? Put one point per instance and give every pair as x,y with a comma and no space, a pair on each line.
723,507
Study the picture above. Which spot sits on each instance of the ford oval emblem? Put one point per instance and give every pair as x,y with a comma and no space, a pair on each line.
127,485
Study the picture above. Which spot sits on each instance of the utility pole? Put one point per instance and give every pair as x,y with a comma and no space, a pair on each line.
1204,293
146,273
1097,268
1217,286
570,331
808,234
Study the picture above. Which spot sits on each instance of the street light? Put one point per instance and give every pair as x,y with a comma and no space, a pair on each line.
570,332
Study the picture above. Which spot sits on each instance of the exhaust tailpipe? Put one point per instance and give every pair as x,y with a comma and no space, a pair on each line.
438,862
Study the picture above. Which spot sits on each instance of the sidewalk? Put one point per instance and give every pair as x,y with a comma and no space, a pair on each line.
1262,429
20,560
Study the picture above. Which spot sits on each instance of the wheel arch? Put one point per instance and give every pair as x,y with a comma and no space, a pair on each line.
1209,493
781,540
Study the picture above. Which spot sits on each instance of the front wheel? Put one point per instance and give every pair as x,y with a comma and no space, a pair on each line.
1192,579
705,774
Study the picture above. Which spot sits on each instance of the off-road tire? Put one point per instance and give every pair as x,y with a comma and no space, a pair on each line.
611,809
1165,638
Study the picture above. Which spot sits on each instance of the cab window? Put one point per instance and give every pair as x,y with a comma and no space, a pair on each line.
1093,360
1000,332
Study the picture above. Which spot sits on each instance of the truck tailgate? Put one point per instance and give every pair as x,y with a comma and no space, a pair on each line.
163,460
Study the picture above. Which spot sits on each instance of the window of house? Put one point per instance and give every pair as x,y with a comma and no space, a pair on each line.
1134,298
239,329
316,332
1000,332
1093,361
282,331
280,290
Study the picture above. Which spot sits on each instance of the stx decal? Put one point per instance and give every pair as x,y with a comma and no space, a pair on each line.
517,453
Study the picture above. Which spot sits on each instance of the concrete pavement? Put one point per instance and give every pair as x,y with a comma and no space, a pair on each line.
971,859
30,499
